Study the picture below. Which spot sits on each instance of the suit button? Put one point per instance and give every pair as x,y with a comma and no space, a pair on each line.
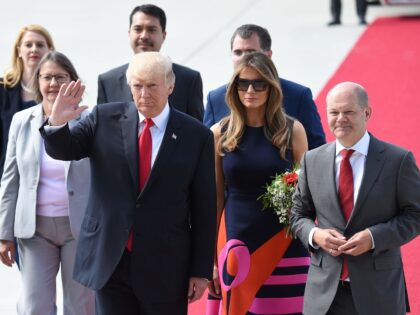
71,193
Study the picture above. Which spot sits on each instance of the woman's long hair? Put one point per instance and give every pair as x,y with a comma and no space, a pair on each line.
275,120
13,74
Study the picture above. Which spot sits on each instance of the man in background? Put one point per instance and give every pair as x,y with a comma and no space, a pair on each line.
147,32
335,5
298,101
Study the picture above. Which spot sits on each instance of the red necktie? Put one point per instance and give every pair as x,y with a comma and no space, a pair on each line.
145,161
145,152
346,195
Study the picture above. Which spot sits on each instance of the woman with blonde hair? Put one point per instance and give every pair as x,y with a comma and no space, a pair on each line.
31,44
259,269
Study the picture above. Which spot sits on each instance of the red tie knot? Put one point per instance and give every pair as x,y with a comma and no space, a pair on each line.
149,122
346,154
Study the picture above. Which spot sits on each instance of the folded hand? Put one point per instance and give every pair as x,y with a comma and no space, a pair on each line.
196,288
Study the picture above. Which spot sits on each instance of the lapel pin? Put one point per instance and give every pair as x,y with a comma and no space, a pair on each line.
174,136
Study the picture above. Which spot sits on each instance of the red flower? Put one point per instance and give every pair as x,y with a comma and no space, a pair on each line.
290,179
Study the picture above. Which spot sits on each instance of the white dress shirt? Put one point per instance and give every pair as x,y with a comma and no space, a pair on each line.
357,162
156,131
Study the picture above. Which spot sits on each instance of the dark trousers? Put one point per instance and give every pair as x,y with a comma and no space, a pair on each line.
361,8
117,296
343,301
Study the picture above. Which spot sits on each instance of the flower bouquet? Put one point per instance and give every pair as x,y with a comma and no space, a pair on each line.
279,193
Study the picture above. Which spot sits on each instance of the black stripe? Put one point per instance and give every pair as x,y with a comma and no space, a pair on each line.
290,270
274,291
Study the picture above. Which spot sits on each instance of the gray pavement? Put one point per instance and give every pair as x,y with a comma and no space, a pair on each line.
93,34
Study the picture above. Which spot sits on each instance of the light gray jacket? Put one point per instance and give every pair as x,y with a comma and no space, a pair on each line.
19,183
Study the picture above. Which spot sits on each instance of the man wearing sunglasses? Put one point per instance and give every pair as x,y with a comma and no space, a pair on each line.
298,101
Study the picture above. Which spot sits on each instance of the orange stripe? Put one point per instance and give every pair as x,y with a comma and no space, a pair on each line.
263,262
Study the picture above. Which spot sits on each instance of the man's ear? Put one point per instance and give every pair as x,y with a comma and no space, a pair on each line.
368,112
171,89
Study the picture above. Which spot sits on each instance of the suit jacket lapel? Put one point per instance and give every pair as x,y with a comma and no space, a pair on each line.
36,122
129,122
169,143
15,98
124,89
374,163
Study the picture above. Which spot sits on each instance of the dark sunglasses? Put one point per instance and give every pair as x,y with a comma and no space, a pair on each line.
257,85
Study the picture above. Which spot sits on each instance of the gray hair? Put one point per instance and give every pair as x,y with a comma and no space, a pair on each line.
156,61
361,95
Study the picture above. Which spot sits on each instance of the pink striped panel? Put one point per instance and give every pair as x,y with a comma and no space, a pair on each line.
213,307
277,305
287,279
293,262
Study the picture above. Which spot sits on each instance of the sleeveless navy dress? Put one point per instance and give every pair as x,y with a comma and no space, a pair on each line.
262,270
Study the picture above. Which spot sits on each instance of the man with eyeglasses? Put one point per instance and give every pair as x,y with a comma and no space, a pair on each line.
298,101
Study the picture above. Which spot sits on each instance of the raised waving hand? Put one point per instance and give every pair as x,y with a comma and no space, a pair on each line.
66,106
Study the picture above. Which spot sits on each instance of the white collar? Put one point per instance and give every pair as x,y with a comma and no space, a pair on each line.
361,146
161,120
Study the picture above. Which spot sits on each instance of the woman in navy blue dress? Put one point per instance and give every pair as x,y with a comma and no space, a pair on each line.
259,269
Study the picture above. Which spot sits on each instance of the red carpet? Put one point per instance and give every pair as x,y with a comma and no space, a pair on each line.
386,61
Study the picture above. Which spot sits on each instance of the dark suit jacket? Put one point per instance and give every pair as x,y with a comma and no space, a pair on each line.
388,204
298,103
187,96
10,103
173,218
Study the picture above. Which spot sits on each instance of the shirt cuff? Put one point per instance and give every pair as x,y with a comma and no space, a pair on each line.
49,128
311,237
371,236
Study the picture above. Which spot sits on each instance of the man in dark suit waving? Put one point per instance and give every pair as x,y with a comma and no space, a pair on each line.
147,32
298,101
147,240
356,204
